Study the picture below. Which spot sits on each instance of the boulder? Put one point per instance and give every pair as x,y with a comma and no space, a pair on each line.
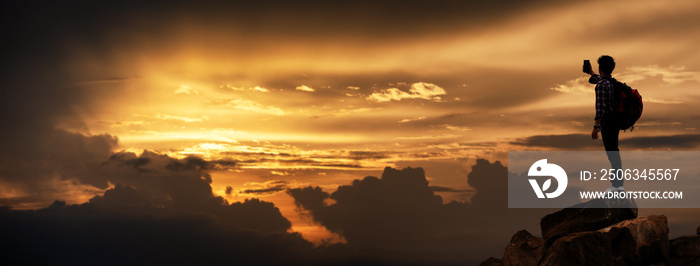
491,262
523,249
588,216
650,235
612,247
601,232
640,241
685,250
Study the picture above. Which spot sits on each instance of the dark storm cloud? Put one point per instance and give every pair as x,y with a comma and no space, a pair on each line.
265,190
117,233
161,210
153,183
398,216
310,198
35,162
569,141
184,185
583,141
272,187
222,164
682,141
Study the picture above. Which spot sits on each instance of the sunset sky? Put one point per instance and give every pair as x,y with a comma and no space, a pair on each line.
282,95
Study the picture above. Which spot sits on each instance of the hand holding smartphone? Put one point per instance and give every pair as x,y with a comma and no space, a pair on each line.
587,67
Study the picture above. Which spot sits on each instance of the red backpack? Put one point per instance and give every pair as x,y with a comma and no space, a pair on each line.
630,105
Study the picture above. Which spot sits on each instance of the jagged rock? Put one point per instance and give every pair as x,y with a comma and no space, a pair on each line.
650,236
612,247
640,241
491,262
588,216
523,249
685,250
602,232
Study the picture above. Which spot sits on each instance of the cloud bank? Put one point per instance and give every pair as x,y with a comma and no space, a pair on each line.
162,211
398,217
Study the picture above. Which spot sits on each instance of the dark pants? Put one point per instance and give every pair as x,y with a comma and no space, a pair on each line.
611,133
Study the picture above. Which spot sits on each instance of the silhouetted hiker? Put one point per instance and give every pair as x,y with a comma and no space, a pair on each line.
606,119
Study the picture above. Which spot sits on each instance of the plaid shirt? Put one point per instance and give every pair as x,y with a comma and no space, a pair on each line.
604,94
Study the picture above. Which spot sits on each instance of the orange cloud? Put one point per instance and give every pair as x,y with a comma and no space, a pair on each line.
249,105
305,88
420,90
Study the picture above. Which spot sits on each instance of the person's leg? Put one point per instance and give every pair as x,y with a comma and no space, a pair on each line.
610,135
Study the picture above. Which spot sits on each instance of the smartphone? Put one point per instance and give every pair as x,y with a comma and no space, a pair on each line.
587,66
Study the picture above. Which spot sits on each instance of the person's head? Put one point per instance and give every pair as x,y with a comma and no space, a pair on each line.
606,64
